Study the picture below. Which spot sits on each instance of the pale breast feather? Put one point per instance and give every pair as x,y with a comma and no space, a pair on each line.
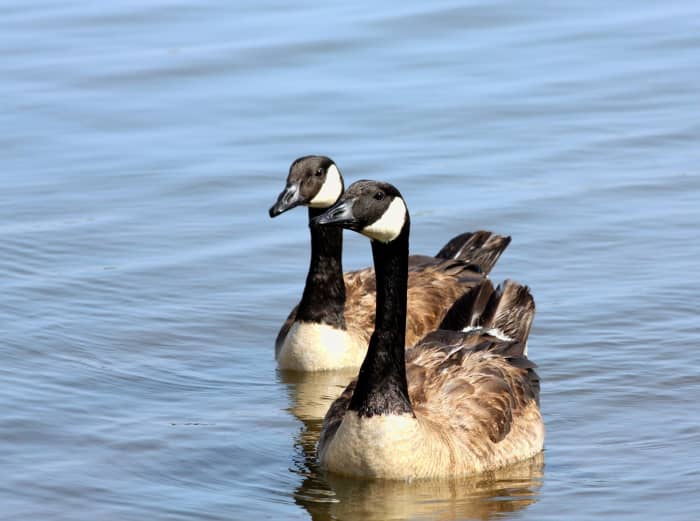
319,347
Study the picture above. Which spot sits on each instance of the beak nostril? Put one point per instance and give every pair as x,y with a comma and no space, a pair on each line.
288,199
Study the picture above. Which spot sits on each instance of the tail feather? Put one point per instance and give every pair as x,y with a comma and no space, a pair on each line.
467,310
510,310
481,248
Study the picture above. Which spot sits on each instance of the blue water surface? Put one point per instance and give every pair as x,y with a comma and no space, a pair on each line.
143,283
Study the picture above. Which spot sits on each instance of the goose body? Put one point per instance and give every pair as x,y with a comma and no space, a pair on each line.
474,409
331,327
459,402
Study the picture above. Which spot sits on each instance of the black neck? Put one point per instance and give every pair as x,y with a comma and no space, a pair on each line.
323,300
381,385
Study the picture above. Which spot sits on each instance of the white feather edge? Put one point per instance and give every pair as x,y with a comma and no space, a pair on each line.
489,331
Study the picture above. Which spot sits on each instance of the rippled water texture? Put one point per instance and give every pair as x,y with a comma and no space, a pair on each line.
143,282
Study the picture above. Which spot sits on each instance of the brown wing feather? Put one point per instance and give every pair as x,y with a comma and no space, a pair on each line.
481,248
511,310
360,290
433,287
432,290
471,384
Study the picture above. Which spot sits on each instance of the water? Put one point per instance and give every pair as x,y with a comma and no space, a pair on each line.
143,283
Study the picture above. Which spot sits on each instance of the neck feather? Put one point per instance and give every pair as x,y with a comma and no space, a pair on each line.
323,300
381,385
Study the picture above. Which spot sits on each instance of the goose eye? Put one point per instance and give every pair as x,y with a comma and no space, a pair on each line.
319,172
379,196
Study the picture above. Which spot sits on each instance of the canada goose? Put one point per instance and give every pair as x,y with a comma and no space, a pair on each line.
456,404
331,326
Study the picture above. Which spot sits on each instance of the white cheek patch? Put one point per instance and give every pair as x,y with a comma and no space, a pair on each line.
388,226
331,189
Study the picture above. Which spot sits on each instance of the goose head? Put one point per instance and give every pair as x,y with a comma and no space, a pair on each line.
313,181
372,208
